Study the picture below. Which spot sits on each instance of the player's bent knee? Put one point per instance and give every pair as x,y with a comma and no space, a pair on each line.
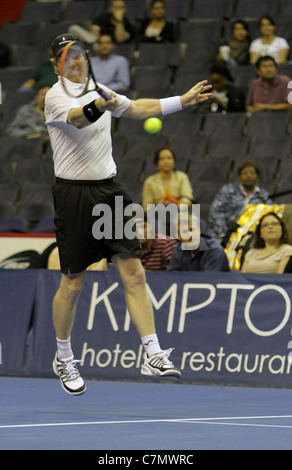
72,285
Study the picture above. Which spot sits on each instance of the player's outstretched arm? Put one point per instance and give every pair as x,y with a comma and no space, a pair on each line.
144,108
197,94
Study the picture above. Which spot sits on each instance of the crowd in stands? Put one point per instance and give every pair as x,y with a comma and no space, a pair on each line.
247,61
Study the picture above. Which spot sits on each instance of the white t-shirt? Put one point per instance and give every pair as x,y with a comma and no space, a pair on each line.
269,49
80,154
259,262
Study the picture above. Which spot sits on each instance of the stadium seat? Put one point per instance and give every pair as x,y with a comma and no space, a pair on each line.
6,172
135,191
185,78
188,147
7,209
177,9
204,192
129,128
83,10
35,193
12,77
47,11
13,224
228,146
285,11
130,170
119,143
127,50
136,9
34,212
230,124
267,124
269,146
12,101
9,192
14,148
141,147
200,31
159,54
33,171
243,76
212,9
45,225
216,170
53,29
30,55
285,188
199,56
21,32
252,9
182,125
150,78
285,171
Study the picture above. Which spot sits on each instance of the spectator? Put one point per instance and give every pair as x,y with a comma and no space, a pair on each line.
270,251
157,29
225,96
269,43
156,249
268,92
114,22
29,120
236,51
232,199
196,252
44,74
108,68
168,186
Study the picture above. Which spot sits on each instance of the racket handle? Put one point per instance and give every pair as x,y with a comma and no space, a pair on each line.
106,96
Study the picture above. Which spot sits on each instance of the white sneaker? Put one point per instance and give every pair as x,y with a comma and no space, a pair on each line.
69,375
160,365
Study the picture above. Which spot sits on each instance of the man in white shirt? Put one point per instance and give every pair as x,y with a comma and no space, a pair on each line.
80,134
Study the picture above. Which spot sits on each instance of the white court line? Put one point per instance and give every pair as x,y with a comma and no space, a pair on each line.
206,420
244,424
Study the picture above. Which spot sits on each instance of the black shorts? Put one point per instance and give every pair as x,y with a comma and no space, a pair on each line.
77,242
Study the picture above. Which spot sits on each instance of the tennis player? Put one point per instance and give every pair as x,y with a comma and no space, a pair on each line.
80,135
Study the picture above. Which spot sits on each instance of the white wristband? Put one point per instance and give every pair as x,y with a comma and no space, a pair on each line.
170,105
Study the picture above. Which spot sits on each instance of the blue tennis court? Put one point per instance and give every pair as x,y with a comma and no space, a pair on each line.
35,413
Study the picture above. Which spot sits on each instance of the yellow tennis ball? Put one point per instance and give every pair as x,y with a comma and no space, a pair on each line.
152,125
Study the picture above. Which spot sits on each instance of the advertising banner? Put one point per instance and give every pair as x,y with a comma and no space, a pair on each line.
227,328
17,296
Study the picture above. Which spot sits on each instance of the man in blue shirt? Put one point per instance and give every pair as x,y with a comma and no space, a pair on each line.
196,252
231,200
110,69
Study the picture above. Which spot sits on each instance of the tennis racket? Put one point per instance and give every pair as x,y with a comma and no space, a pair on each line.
75,64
